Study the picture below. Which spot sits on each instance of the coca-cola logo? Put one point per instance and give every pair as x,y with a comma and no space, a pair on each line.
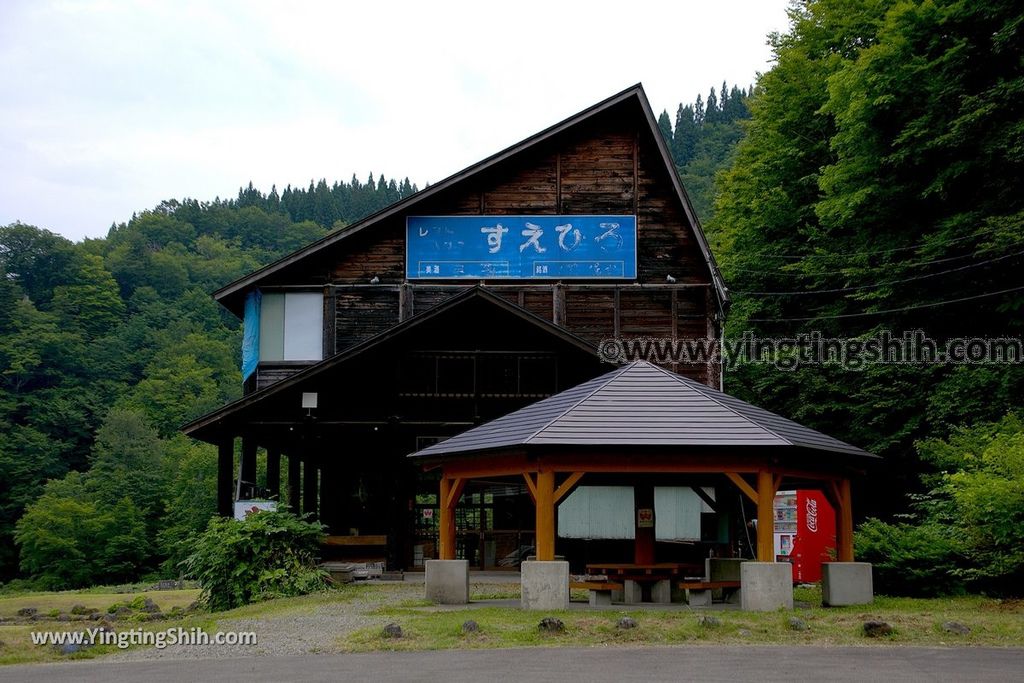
812,515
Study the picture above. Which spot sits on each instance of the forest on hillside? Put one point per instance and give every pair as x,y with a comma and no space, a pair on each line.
868,182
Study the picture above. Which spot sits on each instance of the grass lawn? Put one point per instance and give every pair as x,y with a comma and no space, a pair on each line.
65,600
426,626
16,645
916,622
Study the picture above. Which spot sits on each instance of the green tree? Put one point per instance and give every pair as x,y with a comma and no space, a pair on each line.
665,126
92,302
128,462
37,260
68,540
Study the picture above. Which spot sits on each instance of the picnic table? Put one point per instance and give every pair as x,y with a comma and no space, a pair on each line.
635,577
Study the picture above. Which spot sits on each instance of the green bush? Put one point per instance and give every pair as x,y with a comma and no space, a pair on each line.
268,555
915,560
968,531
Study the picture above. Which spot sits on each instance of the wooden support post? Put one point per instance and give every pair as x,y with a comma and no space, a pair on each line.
310,493
225,474
405,302
447,500
545,516
643,545
765,517
274,473
558,304
329,498
844,525
248,471
294,480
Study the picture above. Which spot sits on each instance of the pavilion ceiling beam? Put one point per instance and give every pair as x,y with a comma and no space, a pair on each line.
531,486
455,492
566,486
743,486
711,502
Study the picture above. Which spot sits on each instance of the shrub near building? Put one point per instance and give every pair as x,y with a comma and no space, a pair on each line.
267,555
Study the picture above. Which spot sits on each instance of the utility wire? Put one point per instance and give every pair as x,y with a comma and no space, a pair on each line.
890,310
791,273
880,251
837,290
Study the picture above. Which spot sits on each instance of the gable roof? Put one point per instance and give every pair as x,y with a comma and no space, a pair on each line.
197,428
639,404
230,294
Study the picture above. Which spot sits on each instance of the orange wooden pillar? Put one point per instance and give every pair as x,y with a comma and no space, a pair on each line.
765,517
844,524
448,498
545,509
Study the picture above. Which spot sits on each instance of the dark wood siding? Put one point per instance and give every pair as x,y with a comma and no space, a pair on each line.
362,313
610,166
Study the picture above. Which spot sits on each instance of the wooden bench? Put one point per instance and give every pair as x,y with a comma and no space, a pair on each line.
600,591
699,592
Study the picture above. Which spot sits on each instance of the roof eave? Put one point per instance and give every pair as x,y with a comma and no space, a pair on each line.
225,293
228,294
195,427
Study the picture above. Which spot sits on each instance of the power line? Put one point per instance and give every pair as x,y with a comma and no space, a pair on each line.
890,310
790,273
880,251
877,284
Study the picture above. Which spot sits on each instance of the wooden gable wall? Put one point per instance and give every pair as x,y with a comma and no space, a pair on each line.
606,165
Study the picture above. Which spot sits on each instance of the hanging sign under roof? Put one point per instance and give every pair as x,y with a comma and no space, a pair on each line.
520,247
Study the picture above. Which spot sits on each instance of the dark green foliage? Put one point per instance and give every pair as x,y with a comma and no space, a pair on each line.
68,539
127,322
327,205
968,531
880,160
910,559
703,141
267,555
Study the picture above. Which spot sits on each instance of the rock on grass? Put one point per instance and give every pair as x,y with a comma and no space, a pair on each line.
626,623
798,624
470,626
878,629
551,625
392,631
708,621
956,627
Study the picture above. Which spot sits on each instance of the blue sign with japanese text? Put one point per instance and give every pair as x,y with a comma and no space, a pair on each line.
520,247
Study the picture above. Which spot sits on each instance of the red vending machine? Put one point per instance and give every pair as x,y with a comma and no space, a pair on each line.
805,532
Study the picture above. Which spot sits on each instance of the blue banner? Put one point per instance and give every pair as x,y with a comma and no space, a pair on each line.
520,247
251,333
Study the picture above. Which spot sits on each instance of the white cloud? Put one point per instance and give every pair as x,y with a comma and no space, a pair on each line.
110,107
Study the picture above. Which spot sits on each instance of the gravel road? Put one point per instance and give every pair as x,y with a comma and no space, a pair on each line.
300,631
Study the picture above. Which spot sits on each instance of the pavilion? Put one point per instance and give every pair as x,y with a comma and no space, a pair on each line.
631,423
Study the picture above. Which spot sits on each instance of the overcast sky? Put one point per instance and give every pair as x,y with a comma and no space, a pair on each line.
107,108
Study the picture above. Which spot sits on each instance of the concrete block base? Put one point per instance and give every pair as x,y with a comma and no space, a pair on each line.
598,598
661,591
447,581
723,568
767,586
699,598
846,583
632,592
545,585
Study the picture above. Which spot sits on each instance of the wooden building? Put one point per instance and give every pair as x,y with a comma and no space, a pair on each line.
368,345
